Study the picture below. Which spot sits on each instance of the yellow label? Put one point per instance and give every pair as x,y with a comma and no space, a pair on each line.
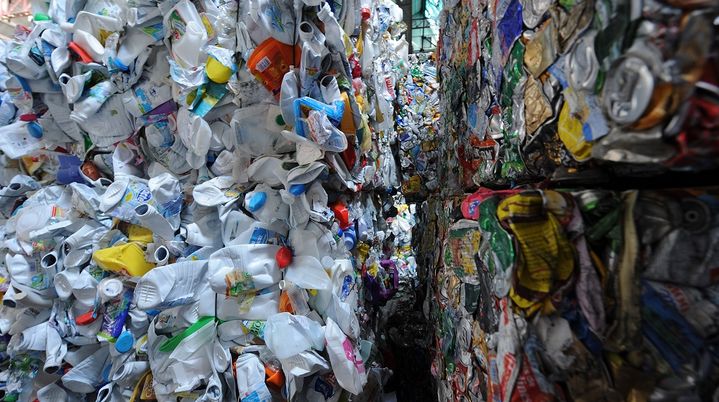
570,132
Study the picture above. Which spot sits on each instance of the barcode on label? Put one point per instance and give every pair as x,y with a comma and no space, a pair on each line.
263,64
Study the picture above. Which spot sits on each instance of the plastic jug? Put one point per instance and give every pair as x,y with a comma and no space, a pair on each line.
269,63
92,103
187,34
89,44
136,40
287,335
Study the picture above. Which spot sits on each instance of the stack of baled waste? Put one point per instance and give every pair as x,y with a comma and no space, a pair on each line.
184,185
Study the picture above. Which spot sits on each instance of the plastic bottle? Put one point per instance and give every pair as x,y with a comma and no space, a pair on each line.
92,103
334,33
60,60
20,94
269,62
136,40
266,204
188,34
7,109
297,296
287,335
72,86
89,44
146,96
350,238
311,56
93,23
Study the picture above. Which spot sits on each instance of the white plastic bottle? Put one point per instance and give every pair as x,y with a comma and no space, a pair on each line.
187,49
266,204
136,40
89,44
146,96
287,335
92,103
72,86
91,22
185,23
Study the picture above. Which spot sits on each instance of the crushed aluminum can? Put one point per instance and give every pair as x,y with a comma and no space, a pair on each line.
581,64
628,89
541,48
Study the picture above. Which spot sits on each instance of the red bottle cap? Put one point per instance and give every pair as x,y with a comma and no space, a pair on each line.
365,13
80,52
341,214
86,319
283,257
28,117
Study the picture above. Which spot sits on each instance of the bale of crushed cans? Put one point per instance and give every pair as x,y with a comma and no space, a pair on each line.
586,295
197,200
535,89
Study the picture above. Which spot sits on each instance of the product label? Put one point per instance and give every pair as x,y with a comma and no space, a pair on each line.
36,56
177,25
259,394
156,31
347,285
265,236
256,328
263,64
351,356
238,283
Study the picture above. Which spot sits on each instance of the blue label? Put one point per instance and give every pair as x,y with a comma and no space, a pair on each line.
259,236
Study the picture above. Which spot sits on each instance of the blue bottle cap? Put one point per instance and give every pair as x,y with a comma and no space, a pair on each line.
34,129
257,201
120,65
297,189
124,342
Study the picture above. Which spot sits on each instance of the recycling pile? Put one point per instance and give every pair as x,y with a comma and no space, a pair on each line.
417,121
195,199
584,294
587,295
537,89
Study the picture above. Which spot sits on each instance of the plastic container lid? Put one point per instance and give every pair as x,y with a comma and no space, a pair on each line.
257,201
124,342
122,66
297,189
35,129
217,72
111,288
86,318
283,257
